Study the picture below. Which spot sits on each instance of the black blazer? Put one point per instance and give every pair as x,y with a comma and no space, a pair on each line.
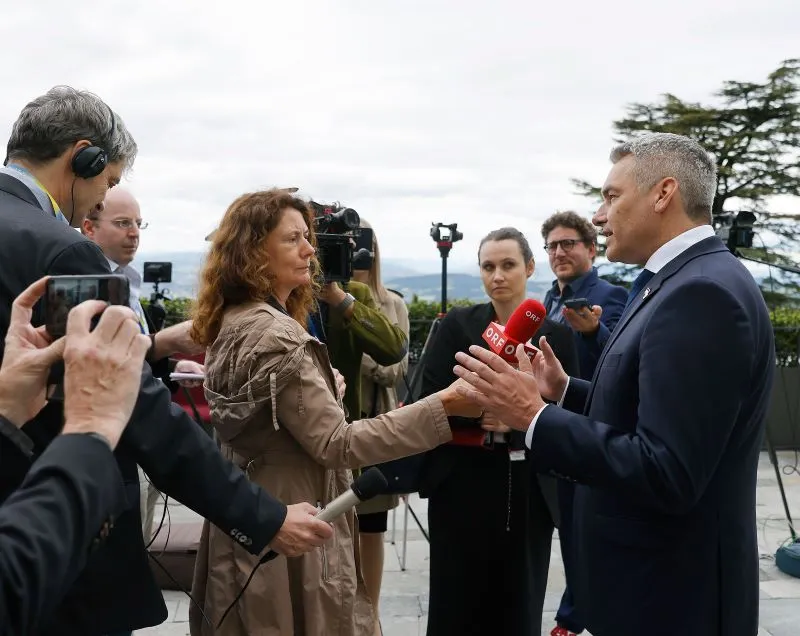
460,328
49,525
663,447
116,591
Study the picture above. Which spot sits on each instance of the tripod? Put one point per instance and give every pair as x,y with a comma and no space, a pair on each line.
157,310
792,551
444,235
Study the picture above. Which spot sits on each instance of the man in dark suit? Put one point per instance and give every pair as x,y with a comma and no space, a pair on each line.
69,498
66,149
663,444
571,244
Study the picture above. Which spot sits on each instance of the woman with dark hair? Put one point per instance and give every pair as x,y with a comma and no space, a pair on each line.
277,412
488,571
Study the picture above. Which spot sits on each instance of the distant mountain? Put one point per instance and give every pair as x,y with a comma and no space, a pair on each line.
429,287
397,274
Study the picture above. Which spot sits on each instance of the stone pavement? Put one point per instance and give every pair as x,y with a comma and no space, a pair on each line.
404,597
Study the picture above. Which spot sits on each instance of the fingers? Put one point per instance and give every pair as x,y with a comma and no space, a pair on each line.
475,365
79,319
321,529
473,396
472,378
23,305
547,350
53,353
490,359
112,320
597,310
524,361
306,507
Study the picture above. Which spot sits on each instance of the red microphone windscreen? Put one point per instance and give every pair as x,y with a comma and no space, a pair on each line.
526,320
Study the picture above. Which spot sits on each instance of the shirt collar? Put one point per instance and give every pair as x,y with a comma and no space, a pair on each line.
676,246
573,284
132,275
45,199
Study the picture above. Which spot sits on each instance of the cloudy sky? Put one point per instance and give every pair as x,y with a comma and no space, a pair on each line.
410,112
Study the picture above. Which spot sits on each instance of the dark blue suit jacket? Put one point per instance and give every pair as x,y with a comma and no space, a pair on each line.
612,299
663,448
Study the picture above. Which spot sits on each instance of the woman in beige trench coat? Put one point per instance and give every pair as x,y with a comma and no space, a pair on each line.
277,413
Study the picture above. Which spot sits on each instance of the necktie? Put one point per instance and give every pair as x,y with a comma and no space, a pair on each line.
638,285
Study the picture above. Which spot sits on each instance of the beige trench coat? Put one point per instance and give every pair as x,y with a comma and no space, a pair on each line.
271,392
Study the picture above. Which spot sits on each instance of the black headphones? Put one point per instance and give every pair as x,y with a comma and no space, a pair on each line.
90,161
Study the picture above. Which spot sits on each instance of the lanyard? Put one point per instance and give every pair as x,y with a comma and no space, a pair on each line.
20,169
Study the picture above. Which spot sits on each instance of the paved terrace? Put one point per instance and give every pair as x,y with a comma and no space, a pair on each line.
405,593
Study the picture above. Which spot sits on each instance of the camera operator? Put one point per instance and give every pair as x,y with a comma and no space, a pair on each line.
72,492
350,323
66,149
114,226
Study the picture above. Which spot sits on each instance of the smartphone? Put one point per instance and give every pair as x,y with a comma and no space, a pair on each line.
64,292
576,303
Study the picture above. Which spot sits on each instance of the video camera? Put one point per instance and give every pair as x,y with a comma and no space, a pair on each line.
157,272
736,231
341,245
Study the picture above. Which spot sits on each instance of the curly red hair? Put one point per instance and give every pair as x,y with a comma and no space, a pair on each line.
236,270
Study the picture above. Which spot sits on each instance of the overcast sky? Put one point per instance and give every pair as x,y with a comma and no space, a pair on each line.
410,112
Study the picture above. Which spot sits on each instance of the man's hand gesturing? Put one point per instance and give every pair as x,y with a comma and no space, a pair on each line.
301,531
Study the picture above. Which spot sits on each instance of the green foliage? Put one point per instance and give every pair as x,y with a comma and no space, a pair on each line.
752,130
786,322
421,314
178,309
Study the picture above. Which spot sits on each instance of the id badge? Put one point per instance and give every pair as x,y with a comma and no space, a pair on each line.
516,455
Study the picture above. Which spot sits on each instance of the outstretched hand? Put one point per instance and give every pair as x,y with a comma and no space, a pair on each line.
510,395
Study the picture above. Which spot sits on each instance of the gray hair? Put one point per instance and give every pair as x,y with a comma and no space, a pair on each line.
53,122
661,155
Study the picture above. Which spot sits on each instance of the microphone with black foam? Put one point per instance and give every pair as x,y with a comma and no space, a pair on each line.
520,328
367,485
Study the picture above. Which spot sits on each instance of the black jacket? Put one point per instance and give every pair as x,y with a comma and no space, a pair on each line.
69,499
116,591
460,328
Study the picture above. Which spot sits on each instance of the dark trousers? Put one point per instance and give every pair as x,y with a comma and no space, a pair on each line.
488,560
567,615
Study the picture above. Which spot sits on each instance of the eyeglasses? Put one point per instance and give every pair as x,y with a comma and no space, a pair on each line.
566,245
124,224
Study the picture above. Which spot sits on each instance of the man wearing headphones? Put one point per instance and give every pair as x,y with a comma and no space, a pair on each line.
66,149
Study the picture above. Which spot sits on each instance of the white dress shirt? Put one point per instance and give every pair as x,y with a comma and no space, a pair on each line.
135,280
663,255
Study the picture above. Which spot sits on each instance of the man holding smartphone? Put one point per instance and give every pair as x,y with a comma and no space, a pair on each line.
579,298
591,307
66,150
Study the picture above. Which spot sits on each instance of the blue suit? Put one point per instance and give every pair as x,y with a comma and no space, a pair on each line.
662,447
598,292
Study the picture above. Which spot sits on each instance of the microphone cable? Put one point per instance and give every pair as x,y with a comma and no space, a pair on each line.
166,515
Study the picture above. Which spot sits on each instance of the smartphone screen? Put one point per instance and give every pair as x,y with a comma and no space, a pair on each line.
65,292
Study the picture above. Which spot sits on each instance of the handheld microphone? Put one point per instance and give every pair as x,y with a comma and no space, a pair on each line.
366,486
521,327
